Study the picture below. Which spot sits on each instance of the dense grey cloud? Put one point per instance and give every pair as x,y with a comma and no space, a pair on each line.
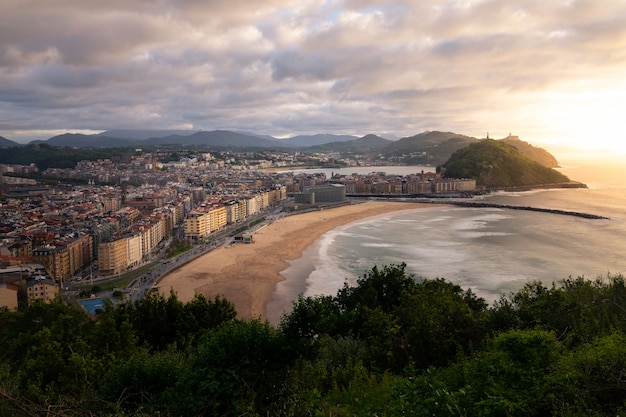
285,67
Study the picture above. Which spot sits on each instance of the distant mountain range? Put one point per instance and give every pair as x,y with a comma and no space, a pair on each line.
431,147
144,134
219,139
366,144
316,140
6,143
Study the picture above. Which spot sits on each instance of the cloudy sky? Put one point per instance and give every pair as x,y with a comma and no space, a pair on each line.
550,71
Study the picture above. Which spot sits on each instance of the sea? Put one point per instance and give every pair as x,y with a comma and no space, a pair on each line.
492,251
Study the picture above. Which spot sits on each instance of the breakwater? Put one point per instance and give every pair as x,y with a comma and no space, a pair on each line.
527,208
451,199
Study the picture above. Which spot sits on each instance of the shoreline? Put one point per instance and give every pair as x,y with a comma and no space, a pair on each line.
247,274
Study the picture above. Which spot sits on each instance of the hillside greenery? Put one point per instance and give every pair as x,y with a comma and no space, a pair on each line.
5,143
426,148
369,144
535,153
46,156
432,147
392,345
496,164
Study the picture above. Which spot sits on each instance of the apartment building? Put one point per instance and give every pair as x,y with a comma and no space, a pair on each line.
210,217
273,197
41,288
251,206
358,187
197,225
112,203
178,211
453,185
218,217
234,211
8,296
64,257
383,187
79,250
264,200
56,261
103,231
418,186
113,256
158,230
323,194
135,249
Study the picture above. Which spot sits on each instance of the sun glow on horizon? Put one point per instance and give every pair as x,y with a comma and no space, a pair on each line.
586,120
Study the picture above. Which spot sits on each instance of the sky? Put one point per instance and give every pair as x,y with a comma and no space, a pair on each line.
552,72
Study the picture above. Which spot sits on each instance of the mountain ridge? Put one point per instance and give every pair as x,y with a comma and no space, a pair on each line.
8,143
318,139
365,144
141,134
425,148
214,138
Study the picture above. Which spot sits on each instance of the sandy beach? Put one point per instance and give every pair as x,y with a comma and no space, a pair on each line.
247,274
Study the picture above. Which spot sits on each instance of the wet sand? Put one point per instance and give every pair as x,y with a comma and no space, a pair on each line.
247,274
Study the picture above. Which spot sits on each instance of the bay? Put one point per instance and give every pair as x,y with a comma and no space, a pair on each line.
493,251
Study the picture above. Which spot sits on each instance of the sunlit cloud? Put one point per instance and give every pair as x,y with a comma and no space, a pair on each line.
550,72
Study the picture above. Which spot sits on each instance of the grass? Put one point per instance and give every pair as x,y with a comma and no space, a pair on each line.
120,282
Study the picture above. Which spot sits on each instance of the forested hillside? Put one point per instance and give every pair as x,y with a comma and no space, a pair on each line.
431,147
495,163
47,156
391,346
537,154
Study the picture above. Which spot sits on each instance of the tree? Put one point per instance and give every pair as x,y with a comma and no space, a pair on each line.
591,377
509,377
141,382
160,322
377,288
312,317
440,322
577,309
238,368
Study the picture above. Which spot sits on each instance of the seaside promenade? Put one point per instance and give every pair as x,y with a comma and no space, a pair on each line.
247,274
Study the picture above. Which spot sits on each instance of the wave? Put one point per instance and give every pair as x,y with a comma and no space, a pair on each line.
493,251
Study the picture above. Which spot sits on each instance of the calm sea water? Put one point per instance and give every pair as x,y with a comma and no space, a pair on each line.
492,251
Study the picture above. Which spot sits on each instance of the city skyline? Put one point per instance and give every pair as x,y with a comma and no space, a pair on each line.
551,73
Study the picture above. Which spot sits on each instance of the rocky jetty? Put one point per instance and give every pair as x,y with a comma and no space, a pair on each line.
528,208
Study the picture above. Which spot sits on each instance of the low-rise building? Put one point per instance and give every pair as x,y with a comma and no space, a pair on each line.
8,296
334,193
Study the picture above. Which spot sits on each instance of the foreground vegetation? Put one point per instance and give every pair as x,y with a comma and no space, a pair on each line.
390,346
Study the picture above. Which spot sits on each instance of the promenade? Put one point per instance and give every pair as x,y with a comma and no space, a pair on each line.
247,274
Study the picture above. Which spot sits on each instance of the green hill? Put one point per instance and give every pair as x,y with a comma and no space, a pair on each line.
366,144
428,147
540,155
495,163
7,143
